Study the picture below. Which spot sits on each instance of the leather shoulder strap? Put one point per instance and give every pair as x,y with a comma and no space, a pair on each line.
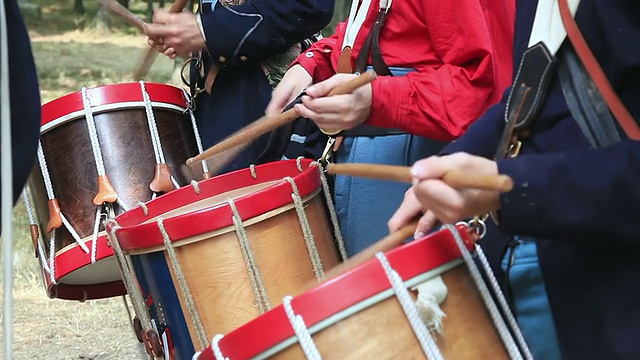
619,111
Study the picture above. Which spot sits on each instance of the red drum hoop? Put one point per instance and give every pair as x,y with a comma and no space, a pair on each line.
142,237
125,95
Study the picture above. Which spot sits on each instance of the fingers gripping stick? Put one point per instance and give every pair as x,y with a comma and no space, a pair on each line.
268,123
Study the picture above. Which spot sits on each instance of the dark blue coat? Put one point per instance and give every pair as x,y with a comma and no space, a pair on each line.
239,39
25,97
582,203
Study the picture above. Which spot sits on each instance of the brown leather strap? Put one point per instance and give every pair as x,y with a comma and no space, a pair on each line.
371,47
590,63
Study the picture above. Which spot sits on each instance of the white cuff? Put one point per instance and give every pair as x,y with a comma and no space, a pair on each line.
199,22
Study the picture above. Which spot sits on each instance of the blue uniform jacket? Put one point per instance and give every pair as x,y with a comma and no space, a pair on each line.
239,38
25,97
582,203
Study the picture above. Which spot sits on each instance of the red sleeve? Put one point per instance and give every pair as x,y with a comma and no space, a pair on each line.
317,59
440,101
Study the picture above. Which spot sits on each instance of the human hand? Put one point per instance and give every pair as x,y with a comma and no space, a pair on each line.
409,210
339,111
292,84
448,204
174,34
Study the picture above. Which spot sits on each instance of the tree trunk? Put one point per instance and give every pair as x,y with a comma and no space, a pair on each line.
340,13
149,10
78,7
102,21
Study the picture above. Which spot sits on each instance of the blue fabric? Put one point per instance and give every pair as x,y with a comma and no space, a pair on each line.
24,97
161,299
396,71
530,298
580,203
238,97
259,29
364,206
243,36
208,5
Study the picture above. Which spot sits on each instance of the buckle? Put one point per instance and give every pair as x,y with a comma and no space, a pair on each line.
328,151
478,223
514,149
195,89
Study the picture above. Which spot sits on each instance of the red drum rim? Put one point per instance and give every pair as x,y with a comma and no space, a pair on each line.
71,106
72,258
133,235
354,287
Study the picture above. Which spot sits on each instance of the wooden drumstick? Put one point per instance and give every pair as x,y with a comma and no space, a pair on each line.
151,54
455,179
387,243
125,13
268,123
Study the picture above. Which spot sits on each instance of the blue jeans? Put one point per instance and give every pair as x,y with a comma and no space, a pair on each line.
363,205
530,299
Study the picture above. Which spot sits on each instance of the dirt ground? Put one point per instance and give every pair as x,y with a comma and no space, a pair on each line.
68,59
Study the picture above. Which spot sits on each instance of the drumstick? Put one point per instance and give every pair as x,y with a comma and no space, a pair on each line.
125,13
147,61
151,54
387,243
455,179
268,123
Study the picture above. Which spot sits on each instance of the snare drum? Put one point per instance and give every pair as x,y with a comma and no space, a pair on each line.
102,150
212,256
370,312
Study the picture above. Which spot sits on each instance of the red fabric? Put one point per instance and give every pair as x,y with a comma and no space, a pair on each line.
461,50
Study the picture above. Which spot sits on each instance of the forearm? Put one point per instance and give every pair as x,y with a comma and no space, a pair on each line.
440,101
581,195
436,103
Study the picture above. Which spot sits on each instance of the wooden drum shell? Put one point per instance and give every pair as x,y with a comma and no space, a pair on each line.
217,276
128,155
383,329
199,226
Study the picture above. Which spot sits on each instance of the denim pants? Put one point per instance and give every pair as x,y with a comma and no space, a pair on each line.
363,205
530,299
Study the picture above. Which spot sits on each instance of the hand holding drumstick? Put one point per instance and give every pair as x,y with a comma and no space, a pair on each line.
438,200
171,33
174,34
446,189
265,124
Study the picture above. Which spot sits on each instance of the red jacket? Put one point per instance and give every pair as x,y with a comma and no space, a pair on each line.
461,50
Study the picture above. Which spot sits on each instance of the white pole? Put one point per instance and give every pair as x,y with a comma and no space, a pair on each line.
7,185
